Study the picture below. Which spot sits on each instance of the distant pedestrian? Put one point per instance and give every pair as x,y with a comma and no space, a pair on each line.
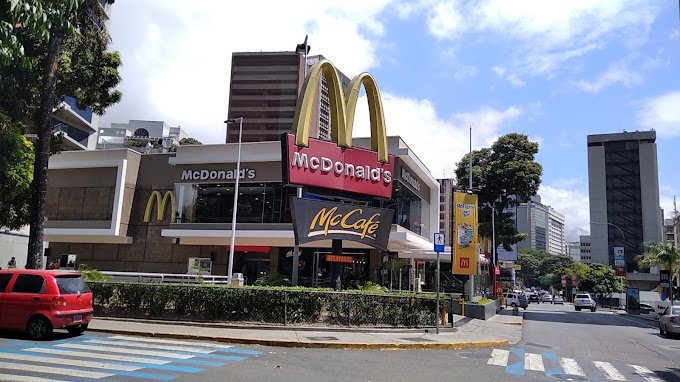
12,263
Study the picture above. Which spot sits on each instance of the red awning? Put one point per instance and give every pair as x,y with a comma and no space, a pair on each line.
250,248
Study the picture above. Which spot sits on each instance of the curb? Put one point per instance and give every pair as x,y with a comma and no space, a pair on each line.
318,345
425,329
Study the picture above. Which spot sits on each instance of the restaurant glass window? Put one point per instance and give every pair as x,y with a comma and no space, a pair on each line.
212,203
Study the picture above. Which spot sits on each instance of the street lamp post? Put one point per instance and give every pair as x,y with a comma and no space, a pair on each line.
235,206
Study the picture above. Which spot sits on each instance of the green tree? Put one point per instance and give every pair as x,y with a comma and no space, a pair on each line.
600,279
504,176
189,141
16,174
49,50
531,260
664,254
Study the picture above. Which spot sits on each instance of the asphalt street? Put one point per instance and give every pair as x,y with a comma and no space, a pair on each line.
558,344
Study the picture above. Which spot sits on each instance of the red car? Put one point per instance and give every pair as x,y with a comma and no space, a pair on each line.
38,302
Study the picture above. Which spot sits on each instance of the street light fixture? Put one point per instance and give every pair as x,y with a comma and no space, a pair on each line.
235,206
613,225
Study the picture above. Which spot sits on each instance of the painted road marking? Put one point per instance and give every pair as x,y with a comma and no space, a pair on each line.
533,362
26,378
140,363
147,345
19,355
110,349
169,342
570,367
107,357
645,373
499,357
54,370
516,368
610,371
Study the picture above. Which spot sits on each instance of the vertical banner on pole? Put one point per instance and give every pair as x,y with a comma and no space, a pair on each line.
465,234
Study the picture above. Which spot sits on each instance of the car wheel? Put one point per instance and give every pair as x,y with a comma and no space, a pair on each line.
513,305
39,328
661,330
77,330
578,309
592,309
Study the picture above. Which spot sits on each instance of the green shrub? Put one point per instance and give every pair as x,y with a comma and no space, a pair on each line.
277,305
91,274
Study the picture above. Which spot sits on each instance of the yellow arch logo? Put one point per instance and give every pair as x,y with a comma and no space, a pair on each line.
161,204
343,107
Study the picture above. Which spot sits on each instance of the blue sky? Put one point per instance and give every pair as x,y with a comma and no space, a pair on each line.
554,70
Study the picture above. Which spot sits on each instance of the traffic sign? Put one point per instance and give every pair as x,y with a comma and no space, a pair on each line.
439,240
518,267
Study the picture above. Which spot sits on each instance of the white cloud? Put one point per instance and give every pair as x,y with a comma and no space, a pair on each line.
675,34
661,113
567,197
616,73
177,57
549,34
439,143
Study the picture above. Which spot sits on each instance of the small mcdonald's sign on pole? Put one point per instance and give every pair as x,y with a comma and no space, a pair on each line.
465,234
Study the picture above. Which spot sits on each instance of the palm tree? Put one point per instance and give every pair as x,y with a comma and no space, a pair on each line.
666,254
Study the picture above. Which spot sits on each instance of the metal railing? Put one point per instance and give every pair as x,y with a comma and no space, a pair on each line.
141,277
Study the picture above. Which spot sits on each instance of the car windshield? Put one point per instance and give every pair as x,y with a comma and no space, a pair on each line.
676,311
71,284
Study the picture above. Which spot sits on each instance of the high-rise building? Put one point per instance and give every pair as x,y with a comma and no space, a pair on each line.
586,254
264,88
624,198
446,187
574,250
543,225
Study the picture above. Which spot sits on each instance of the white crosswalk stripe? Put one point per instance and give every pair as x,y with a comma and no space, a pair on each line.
147,345
498,357
25,378
570,367
647,374
610,371
68,362
169,342
102,356
111,349
533,362
54,370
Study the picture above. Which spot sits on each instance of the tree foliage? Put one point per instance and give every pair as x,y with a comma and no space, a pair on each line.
664,254
189,141
539,268
503,176
16,174
49,50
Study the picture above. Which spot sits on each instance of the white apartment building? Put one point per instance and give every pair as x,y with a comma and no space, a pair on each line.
543,225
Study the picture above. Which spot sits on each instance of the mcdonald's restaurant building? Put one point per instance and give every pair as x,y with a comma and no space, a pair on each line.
119,210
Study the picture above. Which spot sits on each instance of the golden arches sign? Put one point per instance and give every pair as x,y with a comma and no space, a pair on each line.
343,107
161,204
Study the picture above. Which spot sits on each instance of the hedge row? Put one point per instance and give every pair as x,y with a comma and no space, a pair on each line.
259,305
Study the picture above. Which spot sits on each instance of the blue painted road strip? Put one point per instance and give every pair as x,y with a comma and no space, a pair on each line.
516,368
553,358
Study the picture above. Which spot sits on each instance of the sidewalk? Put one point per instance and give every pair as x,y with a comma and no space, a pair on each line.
500,330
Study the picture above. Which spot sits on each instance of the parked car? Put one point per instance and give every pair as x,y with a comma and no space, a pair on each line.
584,301
558,300
516,300
546,298
38,301
533,297
648,311
669,322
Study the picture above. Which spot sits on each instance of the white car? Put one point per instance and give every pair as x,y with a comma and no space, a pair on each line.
584,301
546,298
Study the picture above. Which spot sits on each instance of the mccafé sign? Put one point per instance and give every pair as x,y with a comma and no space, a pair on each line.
337,165
319,220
